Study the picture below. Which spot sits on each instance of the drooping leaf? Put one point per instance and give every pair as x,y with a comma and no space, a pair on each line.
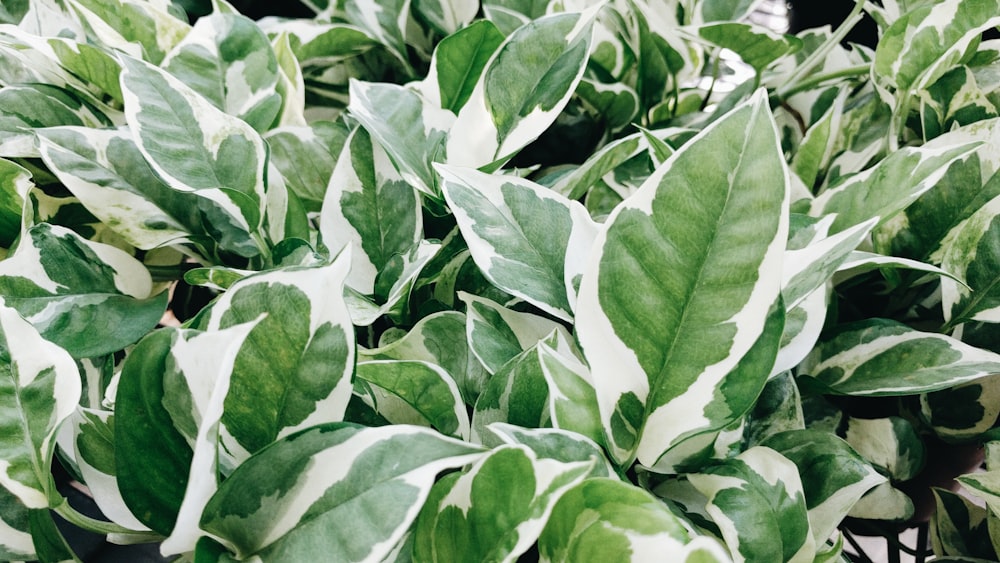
90,298
321,477
679,245
882,357
39,388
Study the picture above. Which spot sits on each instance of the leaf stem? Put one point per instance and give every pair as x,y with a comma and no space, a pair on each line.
814,81
71,515
819,55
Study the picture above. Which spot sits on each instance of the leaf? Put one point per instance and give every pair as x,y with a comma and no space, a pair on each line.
306,156
959,527
551,443
778,410
497,334
458,62
879,357
963,412
392,287
384,20
39,388
389,113
15,181
141,29
495,510
447,17
888,187
424,388
227,59
93,64
527,240
891,444
369,208
615,105
758,502
106,172
971,252
90,298
683,247
834,477
295,368
16,543
28,107
807,269
884,502
438,339
725,10
814,152
526,84
929,40
758,46
195,147
608,520
323,476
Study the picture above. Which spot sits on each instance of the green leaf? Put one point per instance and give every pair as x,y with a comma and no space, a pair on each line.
963,412
447,17
28,107
496,334
699,248
814,152
551,443
306,156
389,113
15,181
227,59
879,357
725,10
458,62
295,368
50,545
834,477
616,105
777,410
392,286
93,64
757,500
422,387
758,46
39,388
526,84
608,520
90,298
891,444
809,268
959,527
16,543
369,208
321,477
496,509
146,30
527,240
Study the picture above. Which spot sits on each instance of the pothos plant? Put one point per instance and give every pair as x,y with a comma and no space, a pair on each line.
497,280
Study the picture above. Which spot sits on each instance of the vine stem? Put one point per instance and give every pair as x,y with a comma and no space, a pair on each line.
819,55
74,517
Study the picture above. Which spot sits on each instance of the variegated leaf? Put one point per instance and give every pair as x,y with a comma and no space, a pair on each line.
306,156
90,298
143,29
496,334
16,543
31,106
888,187
803,325
813,154
963,412
959,527
884,502
106,172
971,252
392,286
528,240
724,10
834,476
227,59
551,443
383,20
890,444
615,105
195,147
15,181
39,389
415,392
369,208
412,131
447,17
576,183
810,267
756,45
757,500
291,84
295,368
526,84
608,520
317,43
778,410
699,248
437,339
496,509
290,501
955,99
882,357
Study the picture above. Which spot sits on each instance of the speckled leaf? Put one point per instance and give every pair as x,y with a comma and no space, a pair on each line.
528,240
391,114
426,391
90,298
227,59
834,476
757,500
881,357
608,520
369,208
39,389
526,84
700,286
289,502
496,509
294,370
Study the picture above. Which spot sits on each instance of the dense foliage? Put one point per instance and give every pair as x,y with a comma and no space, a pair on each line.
568,280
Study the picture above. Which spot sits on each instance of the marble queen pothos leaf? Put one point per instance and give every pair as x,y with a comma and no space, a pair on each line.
700,246
39,388
290,502
90,298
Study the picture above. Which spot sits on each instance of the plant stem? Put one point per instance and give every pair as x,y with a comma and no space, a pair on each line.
71,515
814,81
819,55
